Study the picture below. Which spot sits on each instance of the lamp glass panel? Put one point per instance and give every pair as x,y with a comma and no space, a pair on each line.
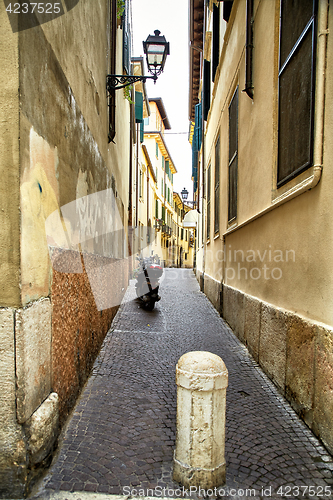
155,58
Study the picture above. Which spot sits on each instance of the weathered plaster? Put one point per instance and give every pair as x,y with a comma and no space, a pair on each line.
42,429
9,165
33,357
13,459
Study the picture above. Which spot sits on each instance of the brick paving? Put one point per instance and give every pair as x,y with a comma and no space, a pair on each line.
122,432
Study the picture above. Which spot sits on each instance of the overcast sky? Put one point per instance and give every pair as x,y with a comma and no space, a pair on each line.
170,17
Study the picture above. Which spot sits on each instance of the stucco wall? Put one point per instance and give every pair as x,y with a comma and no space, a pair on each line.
291,240
275,260
54,151
9,166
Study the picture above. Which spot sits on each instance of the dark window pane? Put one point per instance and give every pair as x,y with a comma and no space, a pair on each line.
233,125
233,157
217,210
217,187
295,111
206,88
232,208
208,202
295,15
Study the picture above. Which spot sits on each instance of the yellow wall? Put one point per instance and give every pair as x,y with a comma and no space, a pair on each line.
9,166
302,225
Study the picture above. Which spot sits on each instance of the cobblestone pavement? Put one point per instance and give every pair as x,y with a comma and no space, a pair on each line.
122,432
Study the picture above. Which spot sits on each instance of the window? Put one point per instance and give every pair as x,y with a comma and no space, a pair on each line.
141,184
208,202
206,88
163,162
217,187
156,209
156,150
233,157
182,234
167,168
296,88
126,39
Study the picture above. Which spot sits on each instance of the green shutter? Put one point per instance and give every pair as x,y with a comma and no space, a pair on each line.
138,107
163,162
163,213
167,168
156,209
126,39
156,150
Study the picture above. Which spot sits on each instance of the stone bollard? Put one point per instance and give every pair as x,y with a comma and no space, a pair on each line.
202,380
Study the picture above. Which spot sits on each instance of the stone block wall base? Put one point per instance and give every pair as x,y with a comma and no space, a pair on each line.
42,429
212,289
201,478
295,352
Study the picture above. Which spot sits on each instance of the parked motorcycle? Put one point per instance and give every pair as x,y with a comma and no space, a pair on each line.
147,282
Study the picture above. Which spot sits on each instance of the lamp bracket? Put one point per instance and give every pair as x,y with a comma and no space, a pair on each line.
115,82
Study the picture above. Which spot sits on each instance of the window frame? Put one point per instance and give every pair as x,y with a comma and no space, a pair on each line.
311,24
232,210
217,165
208,195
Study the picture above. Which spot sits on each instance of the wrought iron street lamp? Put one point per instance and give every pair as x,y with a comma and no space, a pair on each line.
184,194
156,49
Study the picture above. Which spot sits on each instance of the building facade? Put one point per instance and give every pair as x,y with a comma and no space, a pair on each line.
61,172
261,109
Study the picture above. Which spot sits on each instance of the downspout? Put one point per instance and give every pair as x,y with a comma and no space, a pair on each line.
148,200
249,49
320,89
137,175
112,93
130,206
203,163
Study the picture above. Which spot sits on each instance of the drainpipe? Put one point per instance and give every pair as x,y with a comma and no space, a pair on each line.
112,97
148,228
249,49
130,196
203,163
320,87
137,175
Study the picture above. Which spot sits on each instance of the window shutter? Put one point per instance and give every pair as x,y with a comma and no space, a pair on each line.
138,107
217,187
156,209
126,39
233,157
208,204
296,88
206,88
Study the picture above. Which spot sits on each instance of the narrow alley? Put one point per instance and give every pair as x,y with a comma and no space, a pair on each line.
121,435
